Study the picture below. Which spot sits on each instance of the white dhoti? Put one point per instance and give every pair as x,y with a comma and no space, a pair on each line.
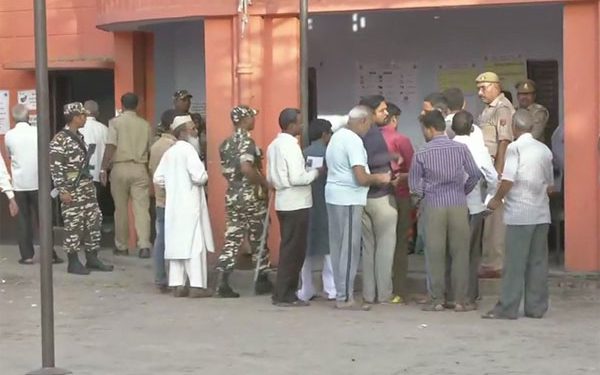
194,269
307,291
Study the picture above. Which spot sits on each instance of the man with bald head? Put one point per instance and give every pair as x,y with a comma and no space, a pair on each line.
496,125
348,182
95,132
526,182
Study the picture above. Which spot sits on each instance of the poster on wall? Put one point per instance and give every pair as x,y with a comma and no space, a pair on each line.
510,69
397,82
461,76
33,120
4,111
27,98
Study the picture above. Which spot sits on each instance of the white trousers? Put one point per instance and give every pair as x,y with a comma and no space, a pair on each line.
194,269
307,291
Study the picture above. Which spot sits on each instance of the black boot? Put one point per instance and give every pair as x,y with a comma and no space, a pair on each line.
75,266
263,285
56,259
93,263
224,290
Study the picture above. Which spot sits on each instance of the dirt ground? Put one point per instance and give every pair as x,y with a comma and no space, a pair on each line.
117,324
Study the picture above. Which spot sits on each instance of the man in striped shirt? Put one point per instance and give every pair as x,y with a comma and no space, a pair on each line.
437,178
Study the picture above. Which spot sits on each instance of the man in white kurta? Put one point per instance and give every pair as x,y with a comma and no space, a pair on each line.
188,234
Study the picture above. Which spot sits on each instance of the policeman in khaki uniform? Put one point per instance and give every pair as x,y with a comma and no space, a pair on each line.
245,199
127,149
69,168
496,125
526,91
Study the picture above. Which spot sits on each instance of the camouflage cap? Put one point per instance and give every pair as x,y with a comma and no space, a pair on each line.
525,87
75,108
241,112
488,77
182,94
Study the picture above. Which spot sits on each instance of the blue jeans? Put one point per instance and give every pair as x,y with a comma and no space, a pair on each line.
160,274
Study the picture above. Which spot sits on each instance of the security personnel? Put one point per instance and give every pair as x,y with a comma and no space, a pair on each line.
245,199
496,125
526,94
69,167
127,150
182,102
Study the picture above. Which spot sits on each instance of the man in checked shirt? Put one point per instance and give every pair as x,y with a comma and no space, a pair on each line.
437,178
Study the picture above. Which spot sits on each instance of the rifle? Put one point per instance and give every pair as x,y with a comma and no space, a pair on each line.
83,169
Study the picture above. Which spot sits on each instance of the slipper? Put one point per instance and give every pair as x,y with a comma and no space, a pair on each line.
494,315
26,261
433,307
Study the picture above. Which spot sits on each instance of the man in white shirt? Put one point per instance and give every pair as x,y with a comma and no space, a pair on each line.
456,103
463,130
293,199
348,181
526,181
6,188
21,145
95,132
188,234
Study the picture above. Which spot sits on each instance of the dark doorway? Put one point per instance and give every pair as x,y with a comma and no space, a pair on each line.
78,86
545,75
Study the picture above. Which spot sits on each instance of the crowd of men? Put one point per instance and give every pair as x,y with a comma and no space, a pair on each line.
480,186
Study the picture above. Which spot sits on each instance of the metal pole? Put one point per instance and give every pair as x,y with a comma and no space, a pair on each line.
44,201
304,68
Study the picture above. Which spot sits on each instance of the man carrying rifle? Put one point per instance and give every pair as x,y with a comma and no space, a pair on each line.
69,167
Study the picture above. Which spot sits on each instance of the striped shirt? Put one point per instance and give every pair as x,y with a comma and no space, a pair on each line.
437,173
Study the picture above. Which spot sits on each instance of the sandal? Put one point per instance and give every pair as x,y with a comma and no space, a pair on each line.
494,315
435,307
28,261
464,308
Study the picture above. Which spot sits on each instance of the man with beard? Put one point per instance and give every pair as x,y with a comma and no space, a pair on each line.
188,233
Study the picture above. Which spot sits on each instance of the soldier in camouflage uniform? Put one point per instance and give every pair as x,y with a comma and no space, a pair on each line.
245,200
69,167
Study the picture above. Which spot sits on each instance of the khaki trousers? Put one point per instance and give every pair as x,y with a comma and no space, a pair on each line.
447,230
379,244
494,234
130,181
400,268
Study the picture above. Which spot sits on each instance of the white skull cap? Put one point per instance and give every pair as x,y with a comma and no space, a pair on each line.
180,120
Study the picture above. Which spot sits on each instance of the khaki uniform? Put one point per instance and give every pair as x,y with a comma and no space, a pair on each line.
129,178
496,124
540,116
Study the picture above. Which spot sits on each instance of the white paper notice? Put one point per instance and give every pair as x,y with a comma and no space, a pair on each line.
314,162
4,111
33,120
28,98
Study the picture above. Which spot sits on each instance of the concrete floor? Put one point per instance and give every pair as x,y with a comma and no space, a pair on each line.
117,324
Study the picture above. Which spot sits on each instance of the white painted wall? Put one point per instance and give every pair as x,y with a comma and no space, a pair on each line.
534,32
179,62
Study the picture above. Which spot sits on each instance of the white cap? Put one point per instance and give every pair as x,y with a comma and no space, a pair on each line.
180,120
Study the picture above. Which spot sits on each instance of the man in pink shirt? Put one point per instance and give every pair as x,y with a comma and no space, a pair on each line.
402,152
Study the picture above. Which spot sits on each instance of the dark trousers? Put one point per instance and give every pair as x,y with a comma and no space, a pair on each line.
160,273
28,212
105,201
293,230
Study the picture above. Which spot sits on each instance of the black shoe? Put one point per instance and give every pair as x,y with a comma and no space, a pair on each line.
93,263
75,267
118,252
225,291
263,285
144,253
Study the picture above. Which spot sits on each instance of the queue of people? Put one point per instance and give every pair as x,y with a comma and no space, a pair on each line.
480,187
